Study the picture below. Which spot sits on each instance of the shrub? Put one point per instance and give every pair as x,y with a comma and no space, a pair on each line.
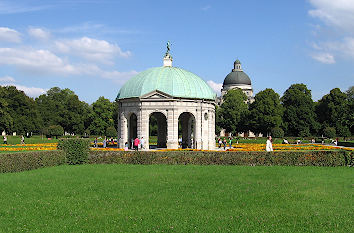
76,149
55,130
111,132
329,132
23,161
285,158
277,132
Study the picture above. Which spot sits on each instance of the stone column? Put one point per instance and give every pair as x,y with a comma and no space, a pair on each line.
172,129
198,128
123,130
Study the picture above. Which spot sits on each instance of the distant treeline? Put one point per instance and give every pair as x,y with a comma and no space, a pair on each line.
294,114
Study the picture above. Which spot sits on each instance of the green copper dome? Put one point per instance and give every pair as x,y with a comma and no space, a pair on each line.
170,80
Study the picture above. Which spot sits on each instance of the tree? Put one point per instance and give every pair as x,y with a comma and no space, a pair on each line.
233,111
22,109
101,116
55,130
6,121
329,132
265,112
63,107
350,115
299,112
111,132
332,110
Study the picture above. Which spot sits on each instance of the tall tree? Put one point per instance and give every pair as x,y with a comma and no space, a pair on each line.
63,107
265,112
350,97
299,111
23,111
101,116
233,111
332,110
6,121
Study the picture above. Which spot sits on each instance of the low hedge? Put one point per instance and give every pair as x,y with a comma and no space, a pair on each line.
23,161
285,158
76,149
346,144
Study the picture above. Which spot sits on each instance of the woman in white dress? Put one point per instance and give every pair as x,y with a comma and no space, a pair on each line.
269,146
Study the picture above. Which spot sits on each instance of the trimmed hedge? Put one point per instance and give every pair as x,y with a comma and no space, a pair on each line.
24,161
346,144
76,149
286,158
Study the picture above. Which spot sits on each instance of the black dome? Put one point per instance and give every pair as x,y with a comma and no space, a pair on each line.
237,77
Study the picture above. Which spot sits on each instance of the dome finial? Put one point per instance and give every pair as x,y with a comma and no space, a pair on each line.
167,60
237,66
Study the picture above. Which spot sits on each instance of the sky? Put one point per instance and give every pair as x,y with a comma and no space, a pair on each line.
94,46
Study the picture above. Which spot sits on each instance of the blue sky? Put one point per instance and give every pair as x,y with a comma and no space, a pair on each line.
93,47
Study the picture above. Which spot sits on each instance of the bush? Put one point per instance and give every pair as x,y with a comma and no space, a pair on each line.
23,161
55,130
329,132
277,132
111,132
285,158
76,149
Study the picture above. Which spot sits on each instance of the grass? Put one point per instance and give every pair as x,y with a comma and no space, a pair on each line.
36,139
132,198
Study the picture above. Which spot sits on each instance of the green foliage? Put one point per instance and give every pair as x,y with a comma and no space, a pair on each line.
55,131
333,110
234,112
23,161
76,149
101,116
111,132
265,112
63,107
329,132
299,113
277,132
18,112
287,158
153,125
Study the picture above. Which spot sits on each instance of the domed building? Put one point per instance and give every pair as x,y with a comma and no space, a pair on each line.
182,103
238,79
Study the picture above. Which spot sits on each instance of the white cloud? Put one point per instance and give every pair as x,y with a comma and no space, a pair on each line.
215,86
38,33
30,91
9,35
337,13
205,8
119,77
325,58
91,49
7,79
12,8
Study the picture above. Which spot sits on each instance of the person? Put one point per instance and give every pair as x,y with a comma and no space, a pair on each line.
5,139
136,143
180,142
269,146
285,141
142,143
22,139
336,142
224,142
95,142
104,142
126,146
230,142
220,142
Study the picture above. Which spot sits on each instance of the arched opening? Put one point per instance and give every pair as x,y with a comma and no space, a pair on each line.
186,130
132,129
157,130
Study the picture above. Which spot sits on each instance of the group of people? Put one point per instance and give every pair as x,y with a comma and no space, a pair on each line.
224,142
136,144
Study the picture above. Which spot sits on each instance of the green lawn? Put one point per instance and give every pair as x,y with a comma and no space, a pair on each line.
132,198
32,140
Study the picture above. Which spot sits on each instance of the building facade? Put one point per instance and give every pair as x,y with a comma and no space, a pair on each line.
182,103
